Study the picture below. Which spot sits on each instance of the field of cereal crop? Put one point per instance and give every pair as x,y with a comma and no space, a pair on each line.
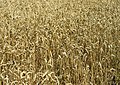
59,42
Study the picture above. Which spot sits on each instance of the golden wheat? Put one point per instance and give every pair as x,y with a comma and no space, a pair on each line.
59,42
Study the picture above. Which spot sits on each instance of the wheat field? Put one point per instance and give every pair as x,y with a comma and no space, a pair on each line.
59,42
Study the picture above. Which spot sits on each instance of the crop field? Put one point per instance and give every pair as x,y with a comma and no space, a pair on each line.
59,42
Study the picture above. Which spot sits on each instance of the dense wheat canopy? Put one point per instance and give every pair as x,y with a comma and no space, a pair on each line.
59,42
